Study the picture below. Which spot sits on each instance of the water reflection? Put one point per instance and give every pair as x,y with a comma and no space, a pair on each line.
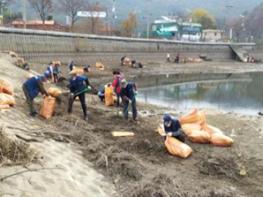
243,96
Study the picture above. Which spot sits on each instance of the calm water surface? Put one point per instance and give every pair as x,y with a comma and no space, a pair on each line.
244,95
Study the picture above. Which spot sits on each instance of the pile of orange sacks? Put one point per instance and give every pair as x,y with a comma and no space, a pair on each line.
7,98
197,130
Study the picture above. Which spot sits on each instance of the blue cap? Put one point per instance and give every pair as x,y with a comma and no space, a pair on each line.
47,74
42,78
167,117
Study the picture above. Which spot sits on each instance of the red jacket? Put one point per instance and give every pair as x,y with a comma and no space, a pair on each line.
116,84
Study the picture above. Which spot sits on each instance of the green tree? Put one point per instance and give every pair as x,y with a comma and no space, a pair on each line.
203,17
11,16
128,26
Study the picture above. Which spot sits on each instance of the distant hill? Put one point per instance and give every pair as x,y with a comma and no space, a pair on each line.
163,7
254,22
156,8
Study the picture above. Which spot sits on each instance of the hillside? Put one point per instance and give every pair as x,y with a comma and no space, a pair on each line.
156,8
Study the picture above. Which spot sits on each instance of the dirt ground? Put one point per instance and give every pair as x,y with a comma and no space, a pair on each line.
141,166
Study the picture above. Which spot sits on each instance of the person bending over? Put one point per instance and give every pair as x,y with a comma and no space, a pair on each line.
32,87
172,127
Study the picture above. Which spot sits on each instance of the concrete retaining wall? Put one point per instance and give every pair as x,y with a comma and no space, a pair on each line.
43,46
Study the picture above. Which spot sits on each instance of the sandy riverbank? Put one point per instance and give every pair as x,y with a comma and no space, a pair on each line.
140,165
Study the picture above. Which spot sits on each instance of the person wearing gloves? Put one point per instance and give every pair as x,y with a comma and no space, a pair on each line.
172,127
32,87
128,93
79,85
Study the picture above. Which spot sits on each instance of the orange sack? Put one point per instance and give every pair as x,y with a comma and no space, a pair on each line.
210,129
77,71
109,97
48,107
221,140
100,66
199,136
188,128
193,117
195,133
189,118
6,99
4,107
5,87
218,138
177,148
55,92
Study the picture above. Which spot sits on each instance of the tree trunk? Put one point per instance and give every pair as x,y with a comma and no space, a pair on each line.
92,26
71,25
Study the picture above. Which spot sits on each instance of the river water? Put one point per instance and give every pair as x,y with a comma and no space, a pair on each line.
242,95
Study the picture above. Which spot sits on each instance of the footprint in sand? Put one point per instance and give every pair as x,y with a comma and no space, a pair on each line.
48,180
39,188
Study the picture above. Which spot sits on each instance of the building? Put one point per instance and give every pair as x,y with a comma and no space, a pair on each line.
190,31
1,20
39,25
212,35
172,29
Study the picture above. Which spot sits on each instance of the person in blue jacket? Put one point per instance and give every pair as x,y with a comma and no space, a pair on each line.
32,87
71,65
101,93
78,86
172,127
128,93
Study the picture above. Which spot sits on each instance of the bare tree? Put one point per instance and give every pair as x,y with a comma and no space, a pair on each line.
71,8
42,7
93,8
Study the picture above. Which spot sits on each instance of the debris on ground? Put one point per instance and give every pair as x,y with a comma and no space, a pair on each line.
14,151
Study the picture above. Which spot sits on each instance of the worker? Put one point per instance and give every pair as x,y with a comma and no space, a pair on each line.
116,84
168,57
140,65
122,60
101,93
133,63
78,86
56,72
31,89
109,95
50,69
177,58
128,93
172,127
86,68
71,66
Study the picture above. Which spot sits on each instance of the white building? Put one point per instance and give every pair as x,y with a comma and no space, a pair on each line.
212,35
